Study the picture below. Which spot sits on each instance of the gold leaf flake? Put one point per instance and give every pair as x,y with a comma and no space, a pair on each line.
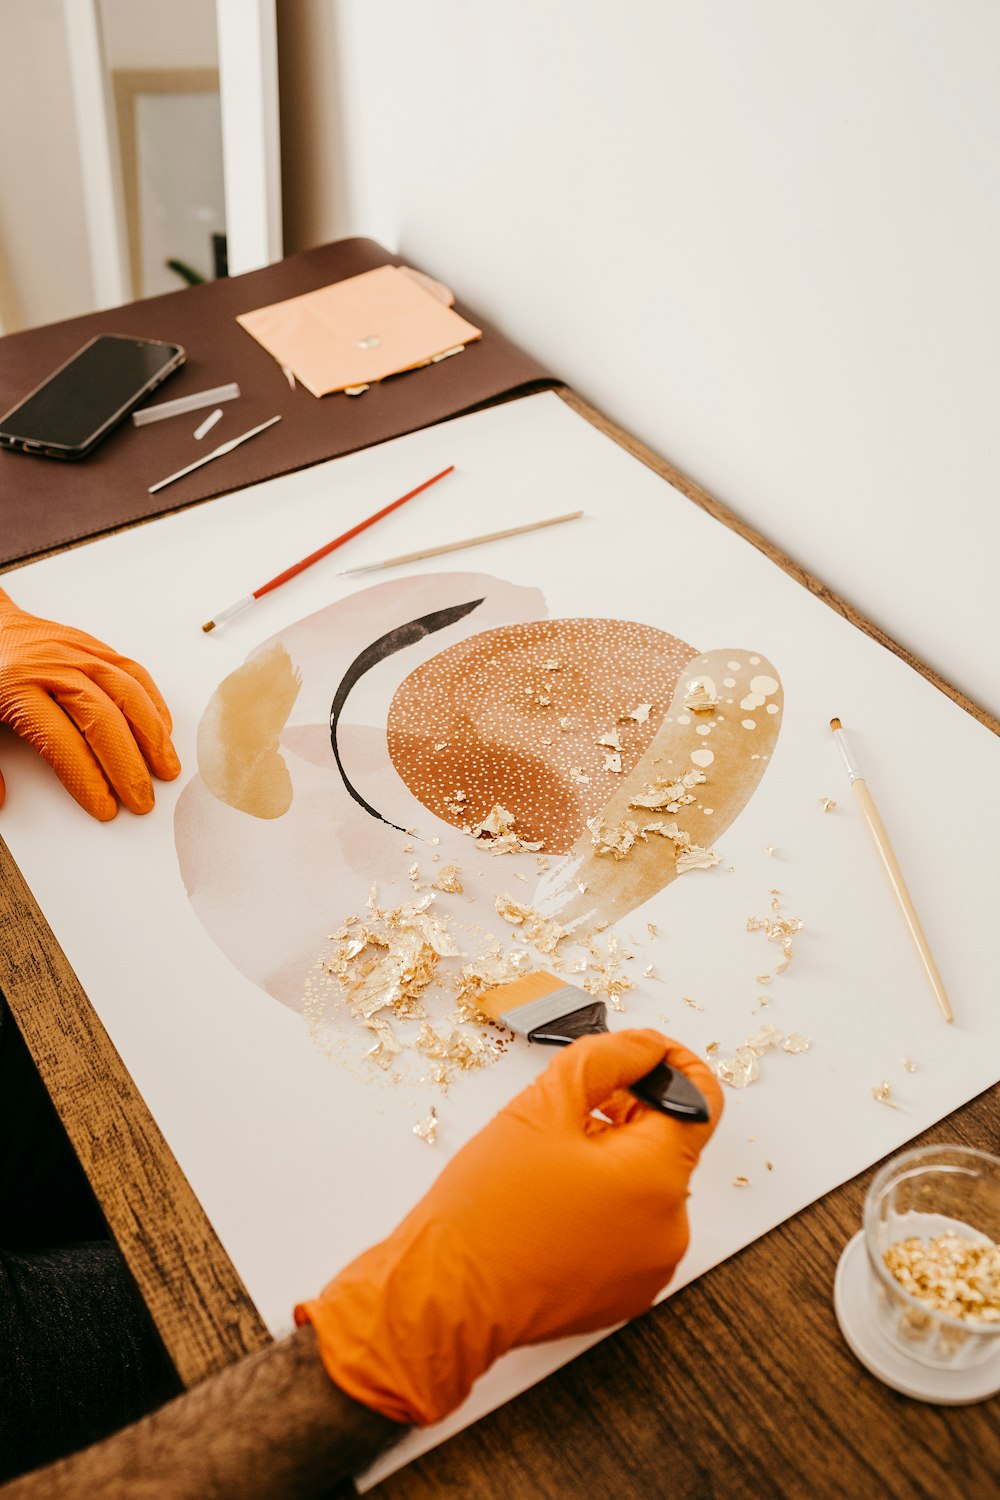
712,1047
640,713
664,795
882,1094
696,858
511,910
827,804
552,665
693,1003
564,723
541,932
496,833
652,929
612,763
769,1165
610,739
617,841
407,848
650,972
796,1042
578,777
770,849
449,880
767,1036
909,1066
741,1182
443,745
700,697
763,978
426,1129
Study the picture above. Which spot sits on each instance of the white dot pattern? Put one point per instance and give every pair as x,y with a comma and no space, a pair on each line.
514,728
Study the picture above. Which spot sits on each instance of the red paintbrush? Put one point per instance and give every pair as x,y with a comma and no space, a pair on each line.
307,562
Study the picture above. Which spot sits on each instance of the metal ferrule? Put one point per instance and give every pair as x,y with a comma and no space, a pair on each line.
535,1013
847,755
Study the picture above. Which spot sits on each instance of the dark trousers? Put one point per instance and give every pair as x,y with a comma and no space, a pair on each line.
79,1356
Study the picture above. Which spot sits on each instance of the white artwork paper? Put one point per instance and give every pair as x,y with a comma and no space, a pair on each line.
254,1109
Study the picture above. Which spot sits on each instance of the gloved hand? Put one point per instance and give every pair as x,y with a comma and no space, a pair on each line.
547,1222
95,716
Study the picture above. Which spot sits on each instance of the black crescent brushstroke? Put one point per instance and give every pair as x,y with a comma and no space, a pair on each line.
385,646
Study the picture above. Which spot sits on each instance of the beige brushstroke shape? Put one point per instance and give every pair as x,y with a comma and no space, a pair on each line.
740,756
238,754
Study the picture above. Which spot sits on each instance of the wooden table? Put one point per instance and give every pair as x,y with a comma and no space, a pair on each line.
740,1385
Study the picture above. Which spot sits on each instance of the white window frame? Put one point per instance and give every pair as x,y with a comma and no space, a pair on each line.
248,88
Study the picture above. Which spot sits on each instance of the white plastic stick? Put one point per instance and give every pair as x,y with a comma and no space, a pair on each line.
183,404
208,423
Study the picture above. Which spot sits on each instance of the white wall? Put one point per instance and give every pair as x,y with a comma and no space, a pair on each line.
44,261
763,236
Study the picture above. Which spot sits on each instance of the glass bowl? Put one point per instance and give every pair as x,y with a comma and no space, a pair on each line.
924,1193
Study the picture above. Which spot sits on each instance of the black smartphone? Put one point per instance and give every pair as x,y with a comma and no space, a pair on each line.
79,404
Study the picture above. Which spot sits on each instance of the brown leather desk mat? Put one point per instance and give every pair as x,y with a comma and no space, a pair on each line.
47,503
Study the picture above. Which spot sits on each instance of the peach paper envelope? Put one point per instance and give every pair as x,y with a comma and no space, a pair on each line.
361,329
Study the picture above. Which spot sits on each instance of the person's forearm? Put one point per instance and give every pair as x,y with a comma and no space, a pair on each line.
272,1425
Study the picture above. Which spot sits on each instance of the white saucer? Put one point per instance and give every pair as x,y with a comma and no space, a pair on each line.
854,1303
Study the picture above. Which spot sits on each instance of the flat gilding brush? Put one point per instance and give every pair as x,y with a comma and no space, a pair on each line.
548,1010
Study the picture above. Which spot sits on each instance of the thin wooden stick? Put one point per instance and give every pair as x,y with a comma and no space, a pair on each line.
891,865
472,541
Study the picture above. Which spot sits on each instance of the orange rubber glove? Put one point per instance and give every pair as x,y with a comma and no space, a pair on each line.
95,716
548,1222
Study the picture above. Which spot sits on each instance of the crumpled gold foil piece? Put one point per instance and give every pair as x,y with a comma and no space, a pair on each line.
700,696
619,838
795,1042
696,858
426,1129
664,795
540,931
496,832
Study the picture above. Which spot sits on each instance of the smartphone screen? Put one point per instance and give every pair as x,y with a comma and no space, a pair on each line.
72,410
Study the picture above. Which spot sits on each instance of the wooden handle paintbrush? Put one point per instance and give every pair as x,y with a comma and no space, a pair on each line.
890,864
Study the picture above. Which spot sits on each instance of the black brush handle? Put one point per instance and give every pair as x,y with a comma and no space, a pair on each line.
665,1088
671,1091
